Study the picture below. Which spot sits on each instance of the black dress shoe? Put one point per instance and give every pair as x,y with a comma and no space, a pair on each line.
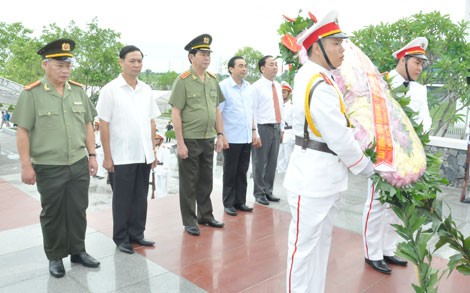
85,259
231,211
466,200
143,242
394,260
193,230
379,265
261,199
243,208
213,223
272,198
56,268
126,248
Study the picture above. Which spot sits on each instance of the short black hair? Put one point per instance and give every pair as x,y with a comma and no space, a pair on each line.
127,49
262,62
231,62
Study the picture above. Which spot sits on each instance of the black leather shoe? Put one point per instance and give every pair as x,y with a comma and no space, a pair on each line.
126,248
193,230
261,199
231,211
395,260
379,265
466,200
56,268
243,208
272,198
213,223
143,242
85,260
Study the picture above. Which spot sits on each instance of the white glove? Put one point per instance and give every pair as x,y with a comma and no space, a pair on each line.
368,170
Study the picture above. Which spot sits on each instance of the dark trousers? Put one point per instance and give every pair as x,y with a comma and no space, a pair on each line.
265,159
195,181
236,163
64,200
130,184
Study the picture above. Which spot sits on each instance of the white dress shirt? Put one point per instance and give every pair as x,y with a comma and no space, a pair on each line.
263,102
129,113
237,111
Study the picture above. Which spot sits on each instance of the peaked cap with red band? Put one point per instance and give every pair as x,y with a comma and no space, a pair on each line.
328,27
415,48
286,86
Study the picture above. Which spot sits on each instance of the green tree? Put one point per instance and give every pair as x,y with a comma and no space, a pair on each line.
96,53
164,81
448,53
12,39
251,57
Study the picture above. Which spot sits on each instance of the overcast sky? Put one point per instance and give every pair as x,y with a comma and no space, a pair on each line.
161,29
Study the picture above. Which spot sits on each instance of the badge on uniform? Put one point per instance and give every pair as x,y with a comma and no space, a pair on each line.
77,103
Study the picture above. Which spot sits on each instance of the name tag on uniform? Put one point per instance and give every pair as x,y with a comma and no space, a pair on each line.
77,103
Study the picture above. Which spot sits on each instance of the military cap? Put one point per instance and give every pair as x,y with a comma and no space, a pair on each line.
328,27
415,48
60,49
286,86
202,42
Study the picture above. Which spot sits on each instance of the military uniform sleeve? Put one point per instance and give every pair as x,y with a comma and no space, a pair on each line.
331,124
220,94
91,112
25,111
178,94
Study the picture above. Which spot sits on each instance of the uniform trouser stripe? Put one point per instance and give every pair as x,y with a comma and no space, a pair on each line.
296,240
367,222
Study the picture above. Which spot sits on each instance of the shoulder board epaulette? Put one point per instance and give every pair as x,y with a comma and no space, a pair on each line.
326,78
76,83
211,74
185,74
32,85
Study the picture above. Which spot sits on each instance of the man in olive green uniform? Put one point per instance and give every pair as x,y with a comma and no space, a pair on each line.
197,119
55,133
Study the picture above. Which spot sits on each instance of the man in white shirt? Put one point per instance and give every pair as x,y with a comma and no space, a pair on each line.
127,113
237,115
379,237
267,109
287,145
324,152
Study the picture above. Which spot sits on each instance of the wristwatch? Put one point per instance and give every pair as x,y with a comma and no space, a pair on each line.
220,133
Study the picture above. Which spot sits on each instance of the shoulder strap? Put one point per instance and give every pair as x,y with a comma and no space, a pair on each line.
185,74
32,85
308,97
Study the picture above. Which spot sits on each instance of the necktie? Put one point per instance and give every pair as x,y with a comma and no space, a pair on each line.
277,110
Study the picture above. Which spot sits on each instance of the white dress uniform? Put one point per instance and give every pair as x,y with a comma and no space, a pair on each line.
162,170
288,141
379,237
315,179
101,172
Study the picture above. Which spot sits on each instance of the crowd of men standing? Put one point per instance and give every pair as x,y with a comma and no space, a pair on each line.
56,144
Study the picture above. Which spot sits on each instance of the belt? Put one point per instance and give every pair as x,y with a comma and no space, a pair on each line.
288,127
274,125
313,145
159,163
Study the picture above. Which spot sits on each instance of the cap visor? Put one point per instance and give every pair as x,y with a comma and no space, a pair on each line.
420,56
339,36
